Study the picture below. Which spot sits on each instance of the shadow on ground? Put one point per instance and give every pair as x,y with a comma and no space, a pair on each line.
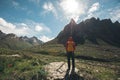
98,59
72,76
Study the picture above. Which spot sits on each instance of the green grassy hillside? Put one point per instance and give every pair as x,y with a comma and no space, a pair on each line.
17,65
14,44
102,51
12,41
98,62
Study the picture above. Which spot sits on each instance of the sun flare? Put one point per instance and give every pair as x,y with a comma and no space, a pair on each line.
72,8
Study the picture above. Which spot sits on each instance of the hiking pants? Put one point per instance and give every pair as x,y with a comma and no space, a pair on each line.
71,55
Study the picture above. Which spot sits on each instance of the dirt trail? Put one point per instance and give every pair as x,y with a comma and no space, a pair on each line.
14,55
58,71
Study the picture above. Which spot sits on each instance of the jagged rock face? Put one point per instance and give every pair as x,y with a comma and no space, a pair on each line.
2,34
25,38
32,40
91,29
67,32
11,36
35,41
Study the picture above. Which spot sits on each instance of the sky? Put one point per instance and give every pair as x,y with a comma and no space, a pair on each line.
46,18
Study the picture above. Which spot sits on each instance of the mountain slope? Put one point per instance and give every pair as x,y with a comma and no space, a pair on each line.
93,30
13,42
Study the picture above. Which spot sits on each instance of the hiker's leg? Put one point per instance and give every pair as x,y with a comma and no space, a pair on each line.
68,59
73,61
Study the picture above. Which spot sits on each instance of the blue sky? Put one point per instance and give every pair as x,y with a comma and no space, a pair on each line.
46,18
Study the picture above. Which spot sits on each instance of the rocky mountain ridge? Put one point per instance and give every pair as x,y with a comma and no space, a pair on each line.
8,40
92,30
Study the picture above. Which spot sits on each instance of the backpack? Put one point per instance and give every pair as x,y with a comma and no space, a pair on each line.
70,46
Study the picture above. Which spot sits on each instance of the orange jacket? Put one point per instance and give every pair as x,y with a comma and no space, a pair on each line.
70,46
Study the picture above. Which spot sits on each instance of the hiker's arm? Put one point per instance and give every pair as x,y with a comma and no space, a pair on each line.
74,46
66,45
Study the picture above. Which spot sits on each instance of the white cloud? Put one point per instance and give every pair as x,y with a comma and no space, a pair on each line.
48,7
38,28
92,11
115,14
18,6
23,24
45,38
94,7
6,24
29,29
11,28
72,8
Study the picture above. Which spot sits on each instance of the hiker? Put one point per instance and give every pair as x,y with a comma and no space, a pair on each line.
70,47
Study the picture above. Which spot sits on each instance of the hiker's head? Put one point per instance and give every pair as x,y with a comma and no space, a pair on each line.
70,39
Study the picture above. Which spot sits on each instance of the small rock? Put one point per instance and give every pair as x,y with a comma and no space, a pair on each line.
81,75
118,79
97,70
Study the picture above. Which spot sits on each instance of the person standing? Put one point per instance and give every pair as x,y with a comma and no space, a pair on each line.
70,48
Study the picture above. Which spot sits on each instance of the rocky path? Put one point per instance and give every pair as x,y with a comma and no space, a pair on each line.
14,55
58,71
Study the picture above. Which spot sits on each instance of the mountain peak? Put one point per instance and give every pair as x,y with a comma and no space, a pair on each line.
72,21
1,31
91,29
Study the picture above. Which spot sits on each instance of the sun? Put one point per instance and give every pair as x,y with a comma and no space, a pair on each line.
72,8
70,5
